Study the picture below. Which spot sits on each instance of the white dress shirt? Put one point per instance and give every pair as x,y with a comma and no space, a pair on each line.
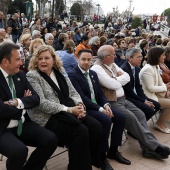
115,83
14,123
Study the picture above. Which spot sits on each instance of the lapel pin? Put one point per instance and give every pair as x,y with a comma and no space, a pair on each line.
18,79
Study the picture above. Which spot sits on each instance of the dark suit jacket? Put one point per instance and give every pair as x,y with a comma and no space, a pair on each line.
8,112
128,88
81,85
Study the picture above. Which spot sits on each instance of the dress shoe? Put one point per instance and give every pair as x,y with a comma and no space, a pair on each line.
152,154
105,165
163,150
165,130
118,157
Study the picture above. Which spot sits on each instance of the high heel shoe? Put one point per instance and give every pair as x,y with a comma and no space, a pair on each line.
165,130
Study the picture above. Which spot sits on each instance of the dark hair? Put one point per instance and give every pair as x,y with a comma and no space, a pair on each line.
6,50
84,38
167,52
110,42
84,51
143,43
154,54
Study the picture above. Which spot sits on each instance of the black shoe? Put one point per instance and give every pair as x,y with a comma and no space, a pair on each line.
151,154
118,157
105,165
163,150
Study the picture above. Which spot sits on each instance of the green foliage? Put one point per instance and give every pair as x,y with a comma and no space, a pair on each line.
136,22
17,5
167,13
76,9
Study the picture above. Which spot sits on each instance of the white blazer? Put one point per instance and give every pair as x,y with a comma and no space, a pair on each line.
151,81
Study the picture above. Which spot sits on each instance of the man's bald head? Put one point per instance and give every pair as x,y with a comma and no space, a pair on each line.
104,50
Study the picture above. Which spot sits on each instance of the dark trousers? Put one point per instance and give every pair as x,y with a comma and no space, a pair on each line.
148,111
106,121
83,141
15,148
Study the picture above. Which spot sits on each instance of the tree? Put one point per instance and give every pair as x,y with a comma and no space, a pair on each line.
4,6
76,9
167,13
136,22
59,7
17,5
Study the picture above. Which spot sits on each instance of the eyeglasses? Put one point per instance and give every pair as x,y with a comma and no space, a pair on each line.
112,55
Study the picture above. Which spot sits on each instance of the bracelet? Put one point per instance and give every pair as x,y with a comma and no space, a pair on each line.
71,109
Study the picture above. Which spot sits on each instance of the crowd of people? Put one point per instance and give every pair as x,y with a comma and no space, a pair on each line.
82,84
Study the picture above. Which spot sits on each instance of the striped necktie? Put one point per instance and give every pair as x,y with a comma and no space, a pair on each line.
13,92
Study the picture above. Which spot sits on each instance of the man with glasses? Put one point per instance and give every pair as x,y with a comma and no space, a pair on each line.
113,78
133,89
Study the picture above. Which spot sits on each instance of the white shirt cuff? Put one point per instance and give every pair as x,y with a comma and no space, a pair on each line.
20,104
101,109
65,109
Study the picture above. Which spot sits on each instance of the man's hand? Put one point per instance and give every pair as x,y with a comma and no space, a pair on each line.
108,111
123,57
119,73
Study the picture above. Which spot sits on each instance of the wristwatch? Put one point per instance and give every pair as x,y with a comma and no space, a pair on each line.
11,102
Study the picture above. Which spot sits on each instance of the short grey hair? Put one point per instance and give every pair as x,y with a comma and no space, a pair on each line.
102,53
93,40
131,51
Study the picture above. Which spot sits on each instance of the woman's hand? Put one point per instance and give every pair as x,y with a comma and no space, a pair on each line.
78,111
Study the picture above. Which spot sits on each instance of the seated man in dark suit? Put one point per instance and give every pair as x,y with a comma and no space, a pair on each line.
16,129
133,89
87,84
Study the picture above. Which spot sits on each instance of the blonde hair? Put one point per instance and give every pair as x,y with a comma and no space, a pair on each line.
24,38
36,54
37,40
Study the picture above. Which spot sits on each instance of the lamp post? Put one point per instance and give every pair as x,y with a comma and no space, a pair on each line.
98,6
52,11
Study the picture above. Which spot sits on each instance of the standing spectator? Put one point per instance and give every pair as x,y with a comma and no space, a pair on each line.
13,23
2,23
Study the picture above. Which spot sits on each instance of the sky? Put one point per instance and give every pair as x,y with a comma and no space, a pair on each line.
140,6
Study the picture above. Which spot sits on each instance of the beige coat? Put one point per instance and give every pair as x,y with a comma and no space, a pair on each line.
151,81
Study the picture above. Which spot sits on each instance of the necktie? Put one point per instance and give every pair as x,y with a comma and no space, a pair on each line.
133,72
13,92
91,90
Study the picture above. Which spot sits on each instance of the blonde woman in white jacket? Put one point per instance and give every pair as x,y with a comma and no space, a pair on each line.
154,87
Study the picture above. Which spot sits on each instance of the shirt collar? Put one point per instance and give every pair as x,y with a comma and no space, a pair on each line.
4,73
83,70
132,67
